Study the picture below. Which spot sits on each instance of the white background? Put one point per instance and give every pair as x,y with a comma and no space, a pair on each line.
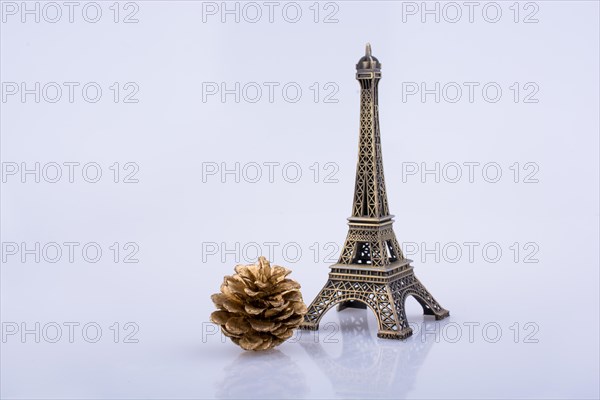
183,223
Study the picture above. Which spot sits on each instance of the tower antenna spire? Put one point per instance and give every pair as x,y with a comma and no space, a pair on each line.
368,50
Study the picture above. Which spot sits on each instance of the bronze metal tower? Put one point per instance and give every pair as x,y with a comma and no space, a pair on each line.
372,271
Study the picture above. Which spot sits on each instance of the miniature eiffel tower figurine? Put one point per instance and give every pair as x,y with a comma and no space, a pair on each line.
372,271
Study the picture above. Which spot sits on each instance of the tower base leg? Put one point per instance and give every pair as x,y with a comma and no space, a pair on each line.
307,326
403,334
386,299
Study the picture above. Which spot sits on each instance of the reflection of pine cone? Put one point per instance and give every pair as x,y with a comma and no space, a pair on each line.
258,307
250,376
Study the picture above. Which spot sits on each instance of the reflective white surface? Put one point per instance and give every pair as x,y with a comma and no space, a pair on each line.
517,329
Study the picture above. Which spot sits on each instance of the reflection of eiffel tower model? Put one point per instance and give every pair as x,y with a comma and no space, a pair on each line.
372,270
368,369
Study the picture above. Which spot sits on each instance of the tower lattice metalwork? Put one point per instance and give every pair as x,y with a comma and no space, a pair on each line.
372,271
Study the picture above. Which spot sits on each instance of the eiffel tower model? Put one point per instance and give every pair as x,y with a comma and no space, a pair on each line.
372,271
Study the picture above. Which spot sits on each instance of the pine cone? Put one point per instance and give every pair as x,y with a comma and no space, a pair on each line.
258,307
